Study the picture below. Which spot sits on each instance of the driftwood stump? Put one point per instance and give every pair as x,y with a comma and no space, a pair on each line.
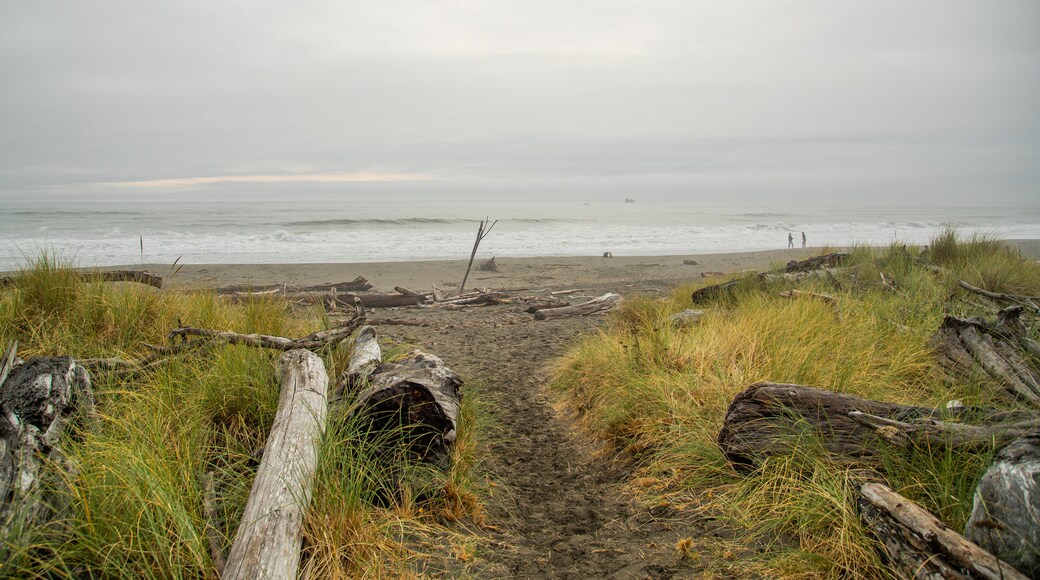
417,397
37,400
1005,518
269,537
1001,348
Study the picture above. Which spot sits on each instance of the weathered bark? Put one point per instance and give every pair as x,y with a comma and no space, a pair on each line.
141,277
535,304
269,537
817,262
213,537
419,393
364,360
312,341
769,419
471,299
917,545
596,305
967,344
1005,518
928,432
37,400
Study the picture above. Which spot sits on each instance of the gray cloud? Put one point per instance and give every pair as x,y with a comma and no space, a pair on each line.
758,98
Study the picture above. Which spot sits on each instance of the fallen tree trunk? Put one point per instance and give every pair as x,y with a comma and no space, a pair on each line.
723,290
771,418
139,276
968,344
419,393
918,545
37,401
1005,518
269,537
600,304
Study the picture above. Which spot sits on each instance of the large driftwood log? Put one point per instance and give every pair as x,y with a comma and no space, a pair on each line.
967,344
794,270
420,393
269,537
37,400
770,418
917,545
599,304
723,290
139,276
1005,517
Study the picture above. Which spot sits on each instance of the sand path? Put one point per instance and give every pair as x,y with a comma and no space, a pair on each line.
558,508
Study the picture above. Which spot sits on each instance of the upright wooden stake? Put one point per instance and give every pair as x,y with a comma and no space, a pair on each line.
481,234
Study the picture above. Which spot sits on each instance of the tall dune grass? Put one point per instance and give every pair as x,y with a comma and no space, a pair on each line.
661,393
133,504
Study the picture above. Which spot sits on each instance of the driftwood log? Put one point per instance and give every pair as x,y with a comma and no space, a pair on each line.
364,360
269,537
918,545
38,399
817,262
931,432
381,300
1029,302
1005,516
596,305
1001,348
687,317
312,341
769,419
419,393
358,284
139,276
794,270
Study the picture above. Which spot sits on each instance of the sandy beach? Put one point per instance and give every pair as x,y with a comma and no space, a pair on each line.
618,274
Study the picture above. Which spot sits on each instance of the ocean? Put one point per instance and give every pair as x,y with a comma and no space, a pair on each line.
324,227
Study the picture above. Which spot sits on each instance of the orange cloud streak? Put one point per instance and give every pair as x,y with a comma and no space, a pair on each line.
287,178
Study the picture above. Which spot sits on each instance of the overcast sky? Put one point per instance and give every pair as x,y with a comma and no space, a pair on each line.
905,101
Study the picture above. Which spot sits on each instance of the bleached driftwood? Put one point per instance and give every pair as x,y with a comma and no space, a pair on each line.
918,545
594,306
364,359
802,293
312,341
359,284
38,398
381,300
686,317
1027,301
930,432
268,541
968,344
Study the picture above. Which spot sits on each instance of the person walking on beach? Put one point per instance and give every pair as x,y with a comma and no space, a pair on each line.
803,239
790,240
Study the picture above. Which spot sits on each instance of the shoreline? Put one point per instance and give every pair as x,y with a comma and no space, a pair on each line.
648,272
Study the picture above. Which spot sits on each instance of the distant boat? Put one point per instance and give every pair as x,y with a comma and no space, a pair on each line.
629,200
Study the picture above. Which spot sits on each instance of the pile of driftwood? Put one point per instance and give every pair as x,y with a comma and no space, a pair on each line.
1002,536
415,399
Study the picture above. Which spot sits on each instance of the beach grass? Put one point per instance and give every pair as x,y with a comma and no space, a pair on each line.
134,503
660,393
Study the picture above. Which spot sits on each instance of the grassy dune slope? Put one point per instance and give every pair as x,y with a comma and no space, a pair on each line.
662,392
